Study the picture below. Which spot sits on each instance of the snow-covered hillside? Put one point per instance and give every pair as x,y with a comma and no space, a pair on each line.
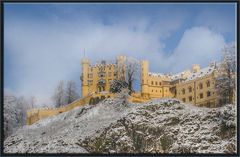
160,126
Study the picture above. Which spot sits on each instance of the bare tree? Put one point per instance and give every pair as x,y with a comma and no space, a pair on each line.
23,106
132,69
71,92
129,71
226,78
32,101
59,95
14,113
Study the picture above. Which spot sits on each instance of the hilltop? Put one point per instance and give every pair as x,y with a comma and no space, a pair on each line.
159,126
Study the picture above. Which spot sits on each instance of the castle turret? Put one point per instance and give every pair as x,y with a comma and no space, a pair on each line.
84,77
195,68
144,78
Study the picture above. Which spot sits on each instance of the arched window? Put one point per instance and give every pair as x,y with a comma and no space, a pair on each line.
184,99
208,83
190,89
208,93
183,91
99,88
200,86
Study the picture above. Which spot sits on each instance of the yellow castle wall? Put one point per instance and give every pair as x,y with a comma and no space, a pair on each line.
152,86
197,91
92,74
38,114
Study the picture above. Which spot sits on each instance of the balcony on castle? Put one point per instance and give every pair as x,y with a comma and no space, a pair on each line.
101,82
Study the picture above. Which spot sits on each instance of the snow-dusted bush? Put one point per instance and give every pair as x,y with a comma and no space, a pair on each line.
117,85
226,78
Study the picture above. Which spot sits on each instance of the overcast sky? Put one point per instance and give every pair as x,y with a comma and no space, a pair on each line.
44,43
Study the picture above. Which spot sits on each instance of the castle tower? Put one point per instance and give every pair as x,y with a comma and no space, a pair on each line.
144,78
84,77
121,66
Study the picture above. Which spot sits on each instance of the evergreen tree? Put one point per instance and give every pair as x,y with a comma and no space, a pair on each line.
226,77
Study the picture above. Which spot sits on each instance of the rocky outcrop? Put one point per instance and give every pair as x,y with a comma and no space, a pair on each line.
160,126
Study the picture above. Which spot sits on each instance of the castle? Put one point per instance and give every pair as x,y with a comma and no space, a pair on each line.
194,86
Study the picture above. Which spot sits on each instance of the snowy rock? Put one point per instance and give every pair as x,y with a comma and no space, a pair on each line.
159,126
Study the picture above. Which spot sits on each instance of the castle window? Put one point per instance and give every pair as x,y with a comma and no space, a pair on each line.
90,75
152,90
183,91
184,99
201,95
156,83
208,93
190,89
156,91
208,83
160,83
190,98
101,74
152,82
208,104
200,86
110,68
90,82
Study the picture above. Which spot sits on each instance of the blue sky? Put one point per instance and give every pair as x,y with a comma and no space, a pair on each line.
43,43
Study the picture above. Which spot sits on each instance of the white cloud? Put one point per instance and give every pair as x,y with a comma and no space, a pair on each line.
199,45
45,53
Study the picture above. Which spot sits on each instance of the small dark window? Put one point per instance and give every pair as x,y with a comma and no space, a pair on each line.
201,95
190,89
184,100
208,104
160,83
208,83
190,98
200,85
156,83
183,91
208,93
152,82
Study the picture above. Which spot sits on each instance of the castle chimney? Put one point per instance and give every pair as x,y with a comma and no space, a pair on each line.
195,68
